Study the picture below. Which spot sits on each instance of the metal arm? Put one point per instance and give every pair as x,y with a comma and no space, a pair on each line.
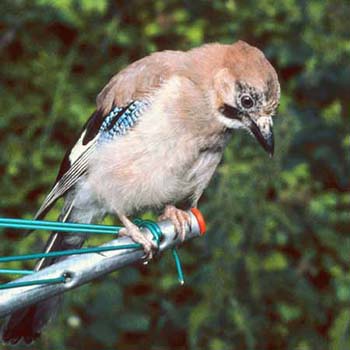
81,269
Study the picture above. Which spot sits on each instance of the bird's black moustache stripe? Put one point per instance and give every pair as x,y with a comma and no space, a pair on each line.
230,112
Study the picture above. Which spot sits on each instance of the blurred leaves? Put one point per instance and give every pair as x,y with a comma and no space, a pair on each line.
273,271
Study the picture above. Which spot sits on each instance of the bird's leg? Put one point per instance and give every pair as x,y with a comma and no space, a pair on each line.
179,218
132,231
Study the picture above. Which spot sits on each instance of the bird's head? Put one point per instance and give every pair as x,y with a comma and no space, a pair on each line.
247,93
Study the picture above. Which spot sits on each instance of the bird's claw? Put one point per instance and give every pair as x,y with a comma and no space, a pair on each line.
149,246
179,218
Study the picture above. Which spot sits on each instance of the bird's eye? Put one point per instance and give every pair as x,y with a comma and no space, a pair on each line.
247,102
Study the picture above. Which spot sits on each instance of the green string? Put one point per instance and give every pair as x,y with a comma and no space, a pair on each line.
73,227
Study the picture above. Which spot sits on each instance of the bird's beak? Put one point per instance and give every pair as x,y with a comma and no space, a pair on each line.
263,132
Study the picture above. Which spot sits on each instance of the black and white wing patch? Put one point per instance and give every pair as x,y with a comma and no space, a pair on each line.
98,129
73,166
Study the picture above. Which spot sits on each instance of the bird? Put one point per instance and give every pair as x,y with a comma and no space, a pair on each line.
157,135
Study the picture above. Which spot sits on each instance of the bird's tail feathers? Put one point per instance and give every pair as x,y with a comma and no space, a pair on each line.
26,324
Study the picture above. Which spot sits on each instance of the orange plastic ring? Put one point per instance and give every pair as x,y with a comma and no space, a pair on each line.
200,220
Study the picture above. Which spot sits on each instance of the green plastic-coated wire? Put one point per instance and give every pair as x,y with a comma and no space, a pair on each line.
24,224
157,234
152,227
61,279
68,252
77,228
15,272
178,266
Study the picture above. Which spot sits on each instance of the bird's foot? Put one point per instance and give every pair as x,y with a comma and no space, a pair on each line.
149,246
179,218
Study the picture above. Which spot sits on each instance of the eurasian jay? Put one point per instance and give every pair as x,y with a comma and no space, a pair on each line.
156,137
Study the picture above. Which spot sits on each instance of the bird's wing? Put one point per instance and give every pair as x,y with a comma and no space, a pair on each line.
119,105
99,128
73,166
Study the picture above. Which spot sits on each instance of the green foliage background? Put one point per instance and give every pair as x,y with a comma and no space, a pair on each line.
273,269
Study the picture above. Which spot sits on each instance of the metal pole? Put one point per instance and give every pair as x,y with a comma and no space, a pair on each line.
81,269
